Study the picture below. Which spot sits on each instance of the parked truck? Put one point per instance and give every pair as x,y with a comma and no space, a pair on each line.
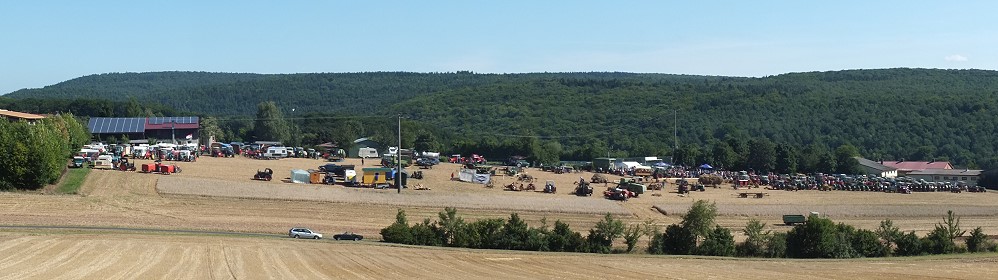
794,219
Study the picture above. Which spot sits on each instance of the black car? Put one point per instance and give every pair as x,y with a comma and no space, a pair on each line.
348,236
335,169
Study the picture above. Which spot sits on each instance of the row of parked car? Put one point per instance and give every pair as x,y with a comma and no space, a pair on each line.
306,233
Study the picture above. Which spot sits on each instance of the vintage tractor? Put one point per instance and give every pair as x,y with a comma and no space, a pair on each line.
583,189
549,187
599,178
266,175
697,187
524,177
617,194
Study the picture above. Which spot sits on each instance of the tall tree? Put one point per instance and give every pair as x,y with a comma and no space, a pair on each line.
722,156
762,155
786,159
270,124
845,157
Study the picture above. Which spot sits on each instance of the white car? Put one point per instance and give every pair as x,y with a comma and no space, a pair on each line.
303,233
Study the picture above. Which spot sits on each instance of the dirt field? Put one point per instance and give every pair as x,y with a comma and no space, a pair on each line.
135,256
129,199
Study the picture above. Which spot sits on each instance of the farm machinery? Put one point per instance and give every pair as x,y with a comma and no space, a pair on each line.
549,187
583,189
516,187
264,175
599,178
618,194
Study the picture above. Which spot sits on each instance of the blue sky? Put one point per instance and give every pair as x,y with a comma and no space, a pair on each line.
46,43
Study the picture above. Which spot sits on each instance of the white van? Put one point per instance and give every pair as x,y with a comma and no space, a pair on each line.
276,152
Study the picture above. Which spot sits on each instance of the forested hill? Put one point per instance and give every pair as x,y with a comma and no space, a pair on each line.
915,114
229,94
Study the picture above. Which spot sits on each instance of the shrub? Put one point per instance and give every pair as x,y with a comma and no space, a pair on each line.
908,244
719,242
889,234
600,238
677,240
483,234
632,234
814,239
514,233
977,241
776,245
398,232
842,248
425,233
699,220
449,226
866,244
941,240
755,244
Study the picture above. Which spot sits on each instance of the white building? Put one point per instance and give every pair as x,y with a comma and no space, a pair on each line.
874,168
948,175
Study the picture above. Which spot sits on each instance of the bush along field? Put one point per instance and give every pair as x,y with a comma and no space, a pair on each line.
696,234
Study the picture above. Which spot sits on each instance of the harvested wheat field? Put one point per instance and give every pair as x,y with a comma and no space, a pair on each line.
218,194
136,256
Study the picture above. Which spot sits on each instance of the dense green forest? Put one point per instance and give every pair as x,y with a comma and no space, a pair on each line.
890,114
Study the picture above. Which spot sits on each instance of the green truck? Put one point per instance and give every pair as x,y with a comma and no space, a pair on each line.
794,219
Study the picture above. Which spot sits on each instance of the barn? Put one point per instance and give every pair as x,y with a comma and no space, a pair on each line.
140,130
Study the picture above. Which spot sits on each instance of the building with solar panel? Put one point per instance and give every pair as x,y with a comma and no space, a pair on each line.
140,130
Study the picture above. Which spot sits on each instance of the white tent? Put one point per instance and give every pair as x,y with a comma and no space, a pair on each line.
626,165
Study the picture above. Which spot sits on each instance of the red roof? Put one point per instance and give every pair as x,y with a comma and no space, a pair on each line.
918,165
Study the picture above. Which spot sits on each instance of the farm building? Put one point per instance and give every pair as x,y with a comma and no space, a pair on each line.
870,167
948,175
182,129
17,116
365,144
905,167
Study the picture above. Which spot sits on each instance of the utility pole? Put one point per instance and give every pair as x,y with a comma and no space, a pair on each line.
398,155
675,127
173,131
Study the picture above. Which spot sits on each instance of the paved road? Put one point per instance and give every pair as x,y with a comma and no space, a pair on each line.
144,230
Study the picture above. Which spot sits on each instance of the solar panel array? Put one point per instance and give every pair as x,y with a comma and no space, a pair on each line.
163,120
117,125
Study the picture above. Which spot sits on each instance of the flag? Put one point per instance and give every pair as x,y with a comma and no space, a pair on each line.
190,136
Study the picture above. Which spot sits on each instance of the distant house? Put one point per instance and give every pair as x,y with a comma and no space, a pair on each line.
905,167
874,168
948,175
362,143
17,116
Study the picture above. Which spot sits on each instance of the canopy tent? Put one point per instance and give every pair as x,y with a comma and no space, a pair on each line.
661,164
706,166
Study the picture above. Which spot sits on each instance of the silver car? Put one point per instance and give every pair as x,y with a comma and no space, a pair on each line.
304,233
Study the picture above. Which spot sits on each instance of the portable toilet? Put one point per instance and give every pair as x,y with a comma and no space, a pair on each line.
299,176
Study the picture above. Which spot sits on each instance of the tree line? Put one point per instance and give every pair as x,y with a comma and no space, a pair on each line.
35,154
889,114
695,234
